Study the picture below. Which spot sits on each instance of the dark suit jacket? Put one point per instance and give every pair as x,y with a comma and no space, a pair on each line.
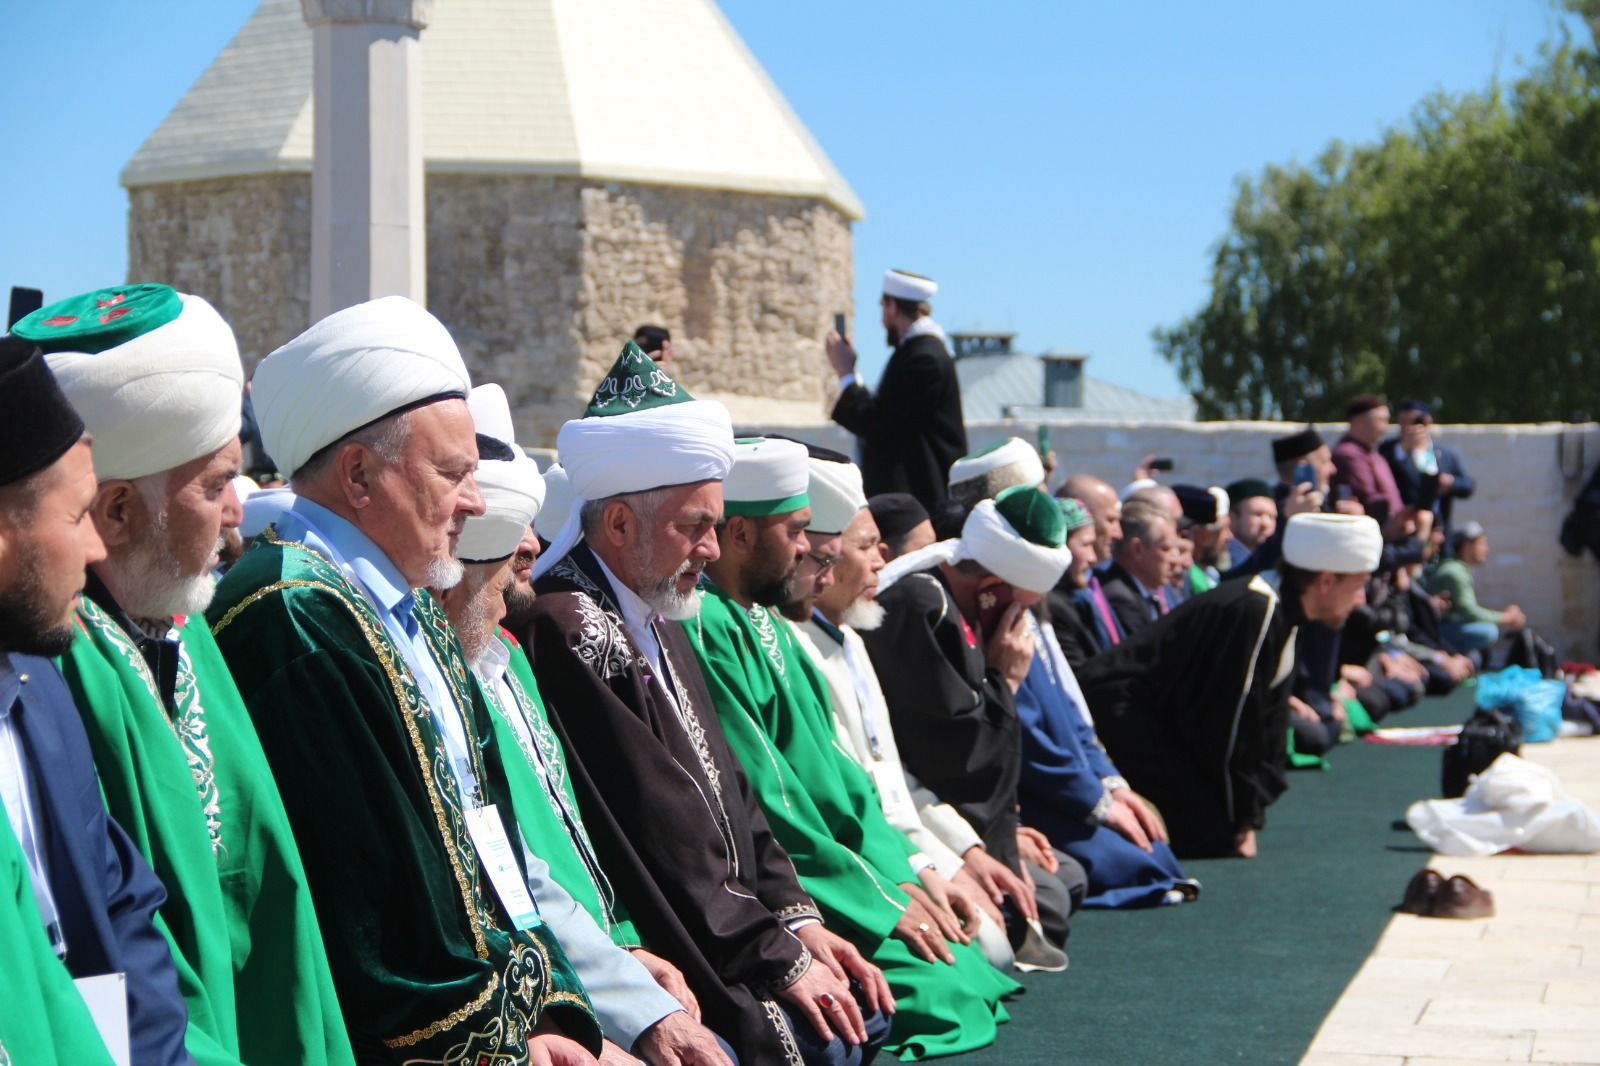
105,894
1072,617
1409,478
912,430
1127,603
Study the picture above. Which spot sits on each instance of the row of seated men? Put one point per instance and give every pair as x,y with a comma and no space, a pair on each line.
697,781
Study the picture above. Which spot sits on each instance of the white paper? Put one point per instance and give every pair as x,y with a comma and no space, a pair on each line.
494,852
106,997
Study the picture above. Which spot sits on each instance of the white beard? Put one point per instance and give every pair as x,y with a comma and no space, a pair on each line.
152,585
443,574
665,599
864,615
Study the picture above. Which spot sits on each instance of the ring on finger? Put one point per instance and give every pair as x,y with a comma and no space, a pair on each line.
924,928
828,1001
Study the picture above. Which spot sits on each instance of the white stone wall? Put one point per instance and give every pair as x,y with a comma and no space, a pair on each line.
1523,494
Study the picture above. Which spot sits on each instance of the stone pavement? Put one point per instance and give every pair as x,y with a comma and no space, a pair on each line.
1523,986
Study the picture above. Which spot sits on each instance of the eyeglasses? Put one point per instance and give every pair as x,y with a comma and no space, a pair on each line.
824,562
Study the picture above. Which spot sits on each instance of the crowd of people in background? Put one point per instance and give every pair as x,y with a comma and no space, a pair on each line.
690,749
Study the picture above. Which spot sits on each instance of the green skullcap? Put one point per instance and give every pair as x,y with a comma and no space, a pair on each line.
1074,514
635,383
102,319
1248,488
1033,514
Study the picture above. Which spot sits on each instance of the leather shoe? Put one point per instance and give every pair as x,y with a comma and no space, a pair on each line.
1461,897
1420,892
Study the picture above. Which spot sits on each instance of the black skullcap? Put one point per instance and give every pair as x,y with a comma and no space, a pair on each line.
1295,445
37,424
897,513
1367,401
1199,506
815,451
1414,405
1248,488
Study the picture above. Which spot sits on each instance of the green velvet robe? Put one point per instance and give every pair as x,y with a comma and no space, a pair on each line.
428,966
825,811
551,822
43,1021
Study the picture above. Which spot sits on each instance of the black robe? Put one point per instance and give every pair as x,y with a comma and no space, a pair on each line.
669,810
954,718
911,430
1194,711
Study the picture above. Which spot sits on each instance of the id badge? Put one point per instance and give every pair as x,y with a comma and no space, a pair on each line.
500,863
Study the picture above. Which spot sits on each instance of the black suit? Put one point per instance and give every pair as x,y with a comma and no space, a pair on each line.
106,896
1409,479
1133,611
912,430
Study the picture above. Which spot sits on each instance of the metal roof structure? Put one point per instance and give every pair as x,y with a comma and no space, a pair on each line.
1012,386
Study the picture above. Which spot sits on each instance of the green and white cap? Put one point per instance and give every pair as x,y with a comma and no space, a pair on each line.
1012,461
154,373
770,476
642,430
1019,536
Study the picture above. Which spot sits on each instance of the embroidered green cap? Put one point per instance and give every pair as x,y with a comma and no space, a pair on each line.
1074,514
635,383
1033,514
102,319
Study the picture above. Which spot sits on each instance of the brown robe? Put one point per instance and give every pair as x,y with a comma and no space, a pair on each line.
669,810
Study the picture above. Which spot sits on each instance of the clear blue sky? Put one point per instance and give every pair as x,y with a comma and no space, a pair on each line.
1062,168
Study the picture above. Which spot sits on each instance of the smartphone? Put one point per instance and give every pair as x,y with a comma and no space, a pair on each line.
1044,441
992,604
1428,492
1161,464
838,325
1305,474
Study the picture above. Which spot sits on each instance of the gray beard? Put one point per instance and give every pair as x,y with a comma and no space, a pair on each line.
864,615
443,574
664,598
474,628
151,584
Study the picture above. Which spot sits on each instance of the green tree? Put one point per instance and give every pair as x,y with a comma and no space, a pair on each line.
1455,260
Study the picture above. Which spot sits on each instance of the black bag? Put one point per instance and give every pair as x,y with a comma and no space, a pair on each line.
1486,736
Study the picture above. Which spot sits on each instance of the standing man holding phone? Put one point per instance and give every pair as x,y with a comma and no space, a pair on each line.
911,429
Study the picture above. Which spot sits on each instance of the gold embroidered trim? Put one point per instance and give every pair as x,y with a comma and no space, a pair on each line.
449,1021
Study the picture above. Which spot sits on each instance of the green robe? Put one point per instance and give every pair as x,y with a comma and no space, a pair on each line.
824,810
43,1021
545,805
428,965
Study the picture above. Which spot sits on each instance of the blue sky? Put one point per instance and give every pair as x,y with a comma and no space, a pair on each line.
1062,168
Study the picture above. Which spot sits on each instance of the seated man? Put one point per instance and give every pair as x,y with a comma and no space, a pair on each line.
1071,791
1253,517
665,802
358,688
1193,708
1305,485
159,386
982,475
564,875
1206,524
1083,599
76,898
822,807
953,649
1140,561
1467,625
903,523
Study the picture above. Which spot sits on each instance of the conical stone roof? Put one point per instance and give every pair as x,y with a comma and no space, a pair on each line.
653,91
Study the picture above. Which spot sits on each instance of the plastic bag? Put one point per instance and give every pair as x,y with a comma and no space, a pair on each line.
1523,691
1513,804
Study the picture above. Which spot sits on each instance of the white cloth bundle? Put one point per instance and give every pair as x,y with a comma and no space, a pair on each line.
160,400
1512,804
990,541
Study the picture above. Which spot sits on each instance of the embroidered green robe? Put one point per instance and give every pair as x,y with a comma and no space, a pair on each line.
43,1021
545,805
824,810
154,772
428,966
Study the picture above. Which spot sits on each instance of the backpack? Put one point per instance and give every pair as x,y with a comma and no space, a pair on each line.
1487,735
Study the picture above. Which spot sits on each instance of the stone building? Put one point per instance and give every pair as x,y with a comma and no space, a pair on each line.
590,165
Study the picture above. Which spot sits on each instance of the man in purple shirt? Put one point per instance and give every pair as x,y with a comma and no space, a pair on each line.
1358,464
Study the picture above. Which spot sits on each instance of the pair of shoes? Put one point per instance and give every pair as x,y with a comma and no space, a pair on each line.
1036,953
1432,895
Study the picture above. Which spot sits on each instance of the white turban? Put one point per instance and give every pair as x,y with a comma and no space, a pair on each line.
1014,451
990,541
349,370
161,399
836,495
512,489
770,476
264,508
904,286
659,438
1337,543
557,502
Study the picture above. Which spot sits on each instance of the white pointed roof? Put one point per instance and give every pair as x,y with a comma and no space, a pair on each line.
655,91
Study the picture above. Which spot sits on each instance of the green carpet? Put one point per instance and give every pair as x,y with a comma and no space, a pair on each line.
1248,972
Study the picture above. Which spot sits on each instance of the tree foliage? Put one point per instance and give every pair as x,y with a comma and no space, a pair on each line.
1456,260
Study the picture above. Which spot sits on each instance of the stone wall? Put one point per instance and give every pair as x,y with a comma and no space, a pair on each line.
1527,476
242,243
541,279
